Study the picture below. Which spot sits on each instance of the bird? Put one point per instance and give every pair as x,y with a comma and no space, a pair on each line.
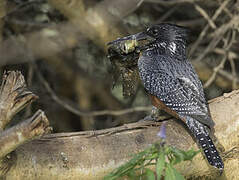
171,81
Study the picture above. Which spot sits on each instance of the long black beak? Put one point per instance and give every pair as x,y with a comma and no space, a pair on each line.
136,37
129,44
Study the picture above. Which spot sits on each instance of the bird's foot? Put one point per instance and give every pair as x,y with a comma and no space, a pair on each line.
148,118
156,115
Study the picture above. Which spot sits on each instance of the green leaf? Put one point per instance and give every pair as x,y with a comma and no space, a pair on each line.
178,175
189,155
169,175
160,165
153,156
137,161
149,174
132,175
172,174
180,155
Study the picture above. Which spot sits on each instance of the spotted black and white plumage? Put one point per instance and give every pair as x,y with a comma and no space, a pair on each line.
168,75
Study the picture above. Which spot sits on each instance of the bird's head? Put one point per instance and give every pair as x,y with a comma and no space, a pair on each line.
168,36
166,32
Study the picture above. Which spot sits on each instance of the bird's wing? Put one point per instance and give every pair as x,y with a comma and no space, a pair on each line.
178,93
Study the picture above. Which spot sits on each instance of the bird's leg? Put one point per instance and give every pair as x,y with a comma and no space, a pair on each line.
157,115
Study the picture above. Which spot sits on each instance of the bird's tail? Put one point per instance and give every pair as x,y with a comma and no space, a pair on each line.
199,131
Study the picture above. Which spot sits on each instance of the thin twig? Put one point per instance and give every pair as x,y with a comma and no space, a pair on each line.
231,54
234,74
227,11
91,113
227,75
222,63
172,2
204,31
215,71
167,14
218,36
205,15
28,110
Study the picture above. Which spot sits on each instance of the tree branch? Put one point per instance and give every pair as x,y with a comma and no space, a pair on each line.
91,154
14,96
13,137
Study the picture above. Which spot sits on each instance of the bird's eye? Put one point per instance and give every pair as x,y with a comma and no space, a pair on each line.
154,31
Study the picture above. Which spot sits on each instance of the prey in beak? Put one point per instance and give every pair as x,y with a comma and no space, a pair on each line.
124,54
127,49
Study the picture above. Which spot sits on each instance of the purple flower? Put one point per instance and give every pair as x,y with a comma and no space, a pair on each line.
162,132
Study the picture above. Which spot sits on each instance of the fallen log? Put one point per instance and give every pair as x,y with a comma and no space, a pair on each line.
93,154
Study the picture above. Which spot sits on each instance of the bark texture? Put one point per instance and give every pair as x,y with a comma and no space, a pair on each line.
92,154
14,96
